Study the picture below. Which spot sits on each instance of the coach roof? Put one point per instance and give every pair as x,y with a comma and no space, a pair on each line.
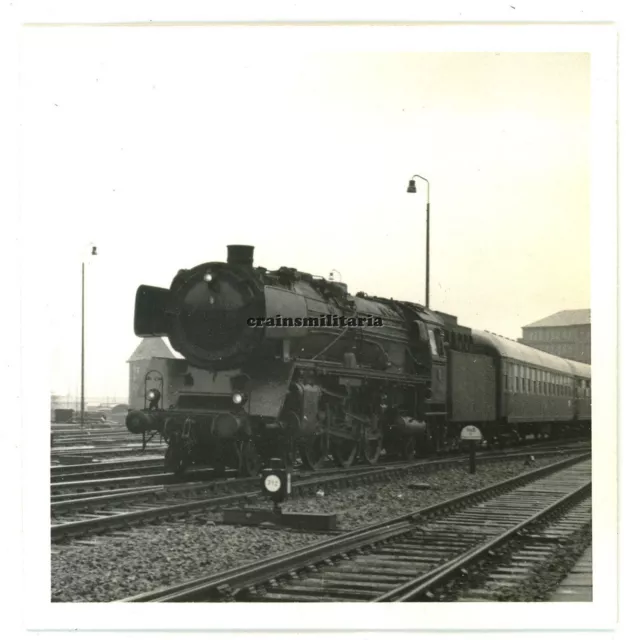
522,353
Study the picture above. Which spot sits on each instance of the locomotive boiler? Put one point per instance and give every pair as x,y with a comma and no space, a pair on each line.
284,363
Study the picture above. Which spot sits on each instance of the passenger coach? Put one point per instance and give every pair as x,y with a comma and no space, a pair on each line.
534,392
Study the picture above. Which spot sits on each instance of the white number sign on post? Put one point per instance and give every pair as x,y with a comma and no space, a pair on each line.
471,433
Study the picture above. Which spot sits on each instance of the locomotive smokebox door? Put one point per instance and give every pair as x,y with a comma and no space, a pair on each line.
276,482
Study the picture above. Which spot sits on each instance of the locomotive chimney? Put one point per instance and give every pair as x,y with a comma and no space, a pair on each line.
240,255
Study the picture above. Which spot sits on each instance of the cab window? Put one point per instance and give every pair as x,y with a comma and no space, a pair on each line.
439,342
434,350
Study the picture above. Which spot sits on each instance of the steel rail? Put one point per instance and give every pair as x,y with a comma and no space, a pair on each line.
420,585
216,586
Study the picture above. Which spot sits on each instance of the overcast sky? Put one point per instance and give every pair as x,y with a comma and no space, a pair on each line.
164,145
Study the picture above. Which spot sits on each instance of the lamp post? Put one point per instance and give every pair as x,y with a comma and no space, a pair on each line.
412,189
83,338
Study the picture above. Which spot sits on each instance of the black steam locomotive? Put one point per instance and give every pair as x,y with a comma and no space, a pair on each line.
286,364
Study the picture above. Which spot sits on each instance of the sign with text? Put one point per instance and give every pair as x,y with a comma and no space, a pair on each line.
471,433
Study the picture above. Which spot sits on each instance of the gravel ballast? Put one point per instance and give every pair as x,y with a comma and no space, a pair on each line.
107,568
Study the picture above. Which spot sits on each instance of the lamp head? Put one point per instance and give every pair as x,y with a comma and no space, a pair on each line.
412,186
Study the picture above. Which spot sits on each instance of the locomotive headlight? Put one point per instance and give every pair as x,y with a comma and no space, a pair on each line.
238,398
154,398
208,277
273,484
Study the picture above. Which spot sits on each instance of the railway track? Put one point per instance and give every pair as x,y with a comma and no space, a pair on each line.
94,470
155,464
403,559
106,483
78,516
91,453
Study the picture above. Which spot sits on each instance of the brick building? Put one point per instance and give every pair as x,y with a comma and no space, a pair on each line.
566,334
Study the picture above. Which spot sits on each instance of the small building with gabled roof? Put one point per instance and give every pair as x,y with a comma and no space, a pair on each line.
151,348
148,365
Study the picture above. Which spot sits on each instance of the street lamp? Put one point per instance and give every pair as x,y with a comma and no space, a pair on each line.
412,189
83,338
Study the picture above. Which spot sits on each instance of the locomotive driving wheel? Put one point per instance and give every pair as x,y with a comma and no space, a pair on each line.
344,439
313,451
249,460
176,460
408,448
343,450
372,442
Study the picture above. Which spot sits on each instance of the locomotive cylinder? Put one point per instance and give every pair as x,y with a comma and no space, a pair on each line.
409,426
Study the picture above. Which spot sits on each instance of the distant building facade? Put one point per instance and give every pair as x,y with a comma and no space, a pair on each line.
566,334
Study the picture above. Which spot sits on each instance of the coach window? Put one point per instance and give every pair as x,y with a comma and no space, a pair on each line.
546,383
514,376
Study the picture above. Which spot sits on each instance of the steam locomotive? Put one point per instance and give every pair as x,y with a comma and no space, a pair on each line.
286,364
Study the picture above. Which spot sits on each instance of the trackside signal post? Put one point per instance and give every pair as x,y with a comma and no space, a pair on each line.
472,436
275,484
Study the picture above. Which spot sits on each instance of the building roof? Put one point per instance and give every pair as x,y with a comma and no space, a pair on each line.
151,348
563,319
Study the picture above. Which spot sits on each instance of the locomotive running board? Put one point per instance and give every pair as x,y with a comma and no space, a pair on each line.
291,520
